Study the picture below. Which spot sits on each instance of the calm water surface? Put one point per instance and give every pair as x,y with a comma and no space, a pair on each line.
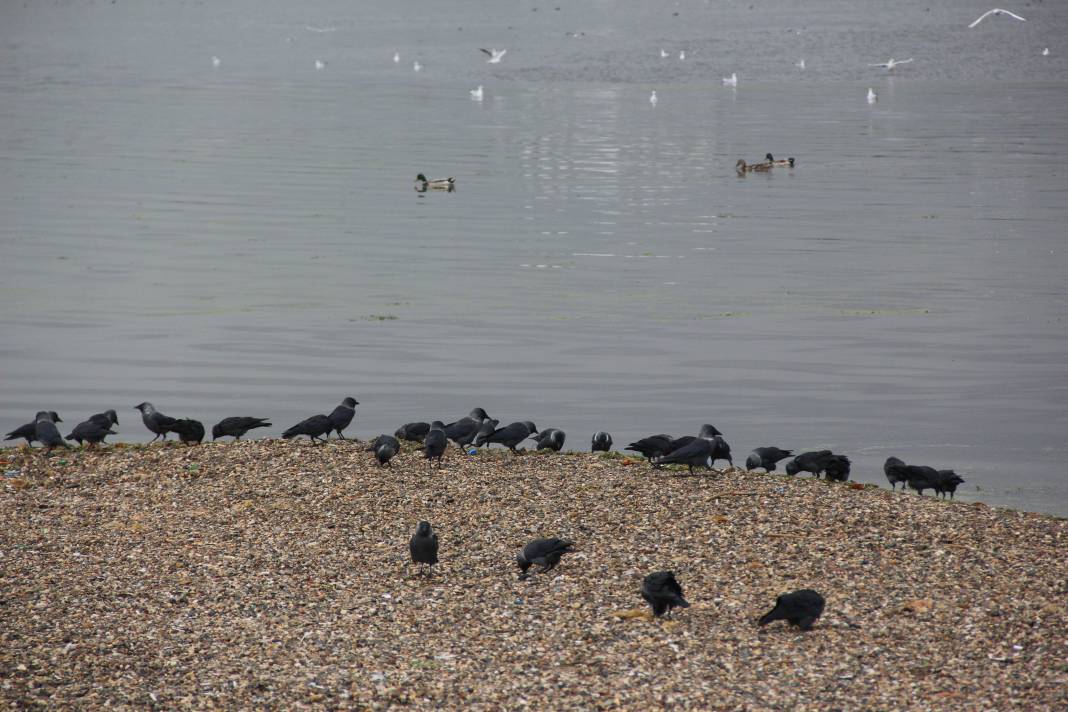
245,239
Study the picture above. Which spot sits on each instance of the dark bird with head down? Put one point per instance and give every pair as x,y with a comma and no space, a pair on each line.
766,457
601,442
413,432
317,428
29,430
512,434
801,608
384,447
90,433
545,553
46,431
190,432
550,439
236,426
662,592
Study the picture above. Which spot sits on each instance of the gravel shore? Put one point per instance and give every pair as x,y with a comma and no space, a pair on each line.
274,574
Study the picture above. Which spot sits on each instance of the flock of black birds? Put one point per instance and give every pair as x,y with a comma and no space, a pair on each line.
660,589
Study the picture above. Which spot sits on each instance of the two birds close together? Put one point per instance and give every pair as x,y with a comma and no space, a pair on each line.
764,166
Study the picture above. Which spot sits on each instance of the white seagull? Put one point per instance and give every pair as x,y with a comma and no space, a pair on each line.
872,96
476,94
682,54
663,53
495,55
891,63
996,12
320,64
396,57
215,61
416,66
652,98
731,81
1045,52
800,65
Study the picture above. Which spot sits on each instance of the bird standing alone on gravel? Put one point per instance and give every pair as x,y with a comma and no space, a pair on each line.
545,553
662,592
424,546
236,426
801,608
512,434
766,457
341,416
384,447
601,442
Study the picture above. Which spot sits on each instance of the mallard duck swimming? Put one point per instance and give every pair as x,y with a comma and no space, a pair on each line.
789,162
423,183
743,167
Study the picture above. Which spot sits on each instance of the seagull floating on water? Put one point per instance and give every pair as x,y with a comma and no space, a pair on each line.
652,98
495,55
800,64
682,54
416,66
311,28
891,63
215,61
731,81
663,53
320,64
872,96
996,12
396,57
1045,52
476,94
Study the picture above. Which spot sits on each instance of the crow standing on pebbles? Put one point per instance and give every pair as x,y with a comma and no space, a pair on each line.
836,467
512,434
316,427
105,419
813,462
341,416
894,470
155,421
800,608
415,432
47,432
766,457
550,439
435,442
190,432
90,432
237,426
652,447
29,430
384,447
545,553
484,431
601,442
661,591
463,431
424,546
947,483
698,453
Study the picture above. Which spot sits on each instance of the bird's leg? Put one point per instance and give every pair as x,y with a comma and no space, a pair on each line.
341,436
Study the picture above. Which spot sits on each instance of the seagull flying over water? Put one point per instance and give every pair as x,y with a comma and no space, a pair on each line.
476,94
652,98
872,96
996,12
731,81
495,55
891,63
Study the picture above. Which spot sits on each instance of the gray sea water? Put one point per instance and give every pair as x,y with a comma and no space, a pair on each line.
245,239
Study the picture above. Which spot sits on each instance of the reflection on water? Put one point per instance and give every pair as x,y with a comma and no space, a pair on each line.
245,239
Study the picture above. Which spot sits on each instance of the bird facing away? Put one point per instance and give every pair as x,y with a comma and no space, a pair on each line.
742,167
545,553
341,416
396,57
663,53
190,432
155,421
947,482
495,55
384,447
551,439
872,96
47,432
601,442
766,457
731,81
652,98
893,468
996,12
416,66
662,592
787,163
317,427
415,432
105,419
236,426
424,547
836,467
484,431
891,63
476,94
652,447
801,608
435,442
512,434
463,431
90,433
697,453
29,430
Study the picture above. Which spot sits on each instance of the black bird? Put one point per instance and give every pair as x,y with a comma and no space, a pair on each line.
90,432
463,431
551,439
836,467
809,462
415,432
316,427
652,447
947,482
341,416
189,431
661,591
384,447
47,432
766,457
721,450
707,431
800,608
236,426
484,431
602,442
155,421
424,546
698,453
893,469
105,419
512,434
435,442
29,430
545,553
